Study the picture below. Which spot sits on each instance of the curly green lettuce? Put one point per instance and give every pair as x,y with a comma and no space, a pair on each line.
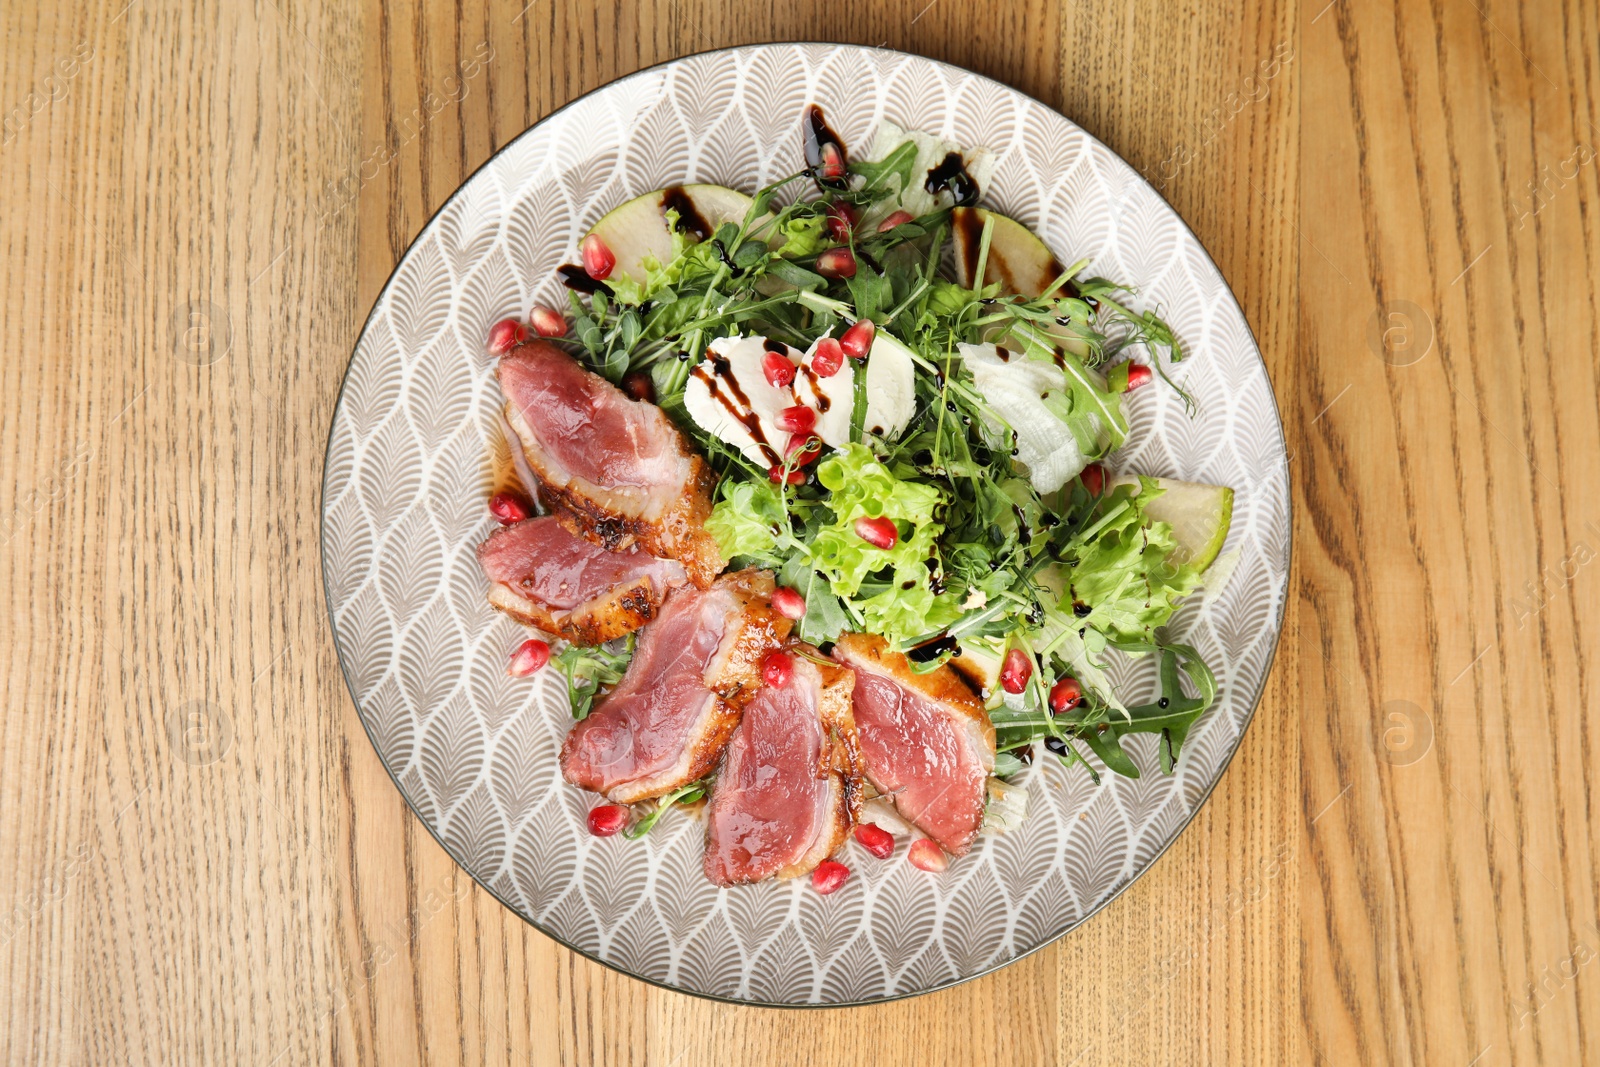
1127,573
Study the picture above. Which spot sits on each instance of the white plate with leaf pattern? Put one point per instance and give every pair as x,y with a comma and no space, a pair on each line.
474,752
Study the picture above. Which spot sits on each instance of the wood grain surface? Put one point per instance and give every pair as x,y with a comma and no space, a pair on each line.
201,857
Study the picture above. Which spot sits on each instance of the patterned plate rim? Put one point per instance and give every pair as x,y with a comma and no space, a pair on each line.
344,668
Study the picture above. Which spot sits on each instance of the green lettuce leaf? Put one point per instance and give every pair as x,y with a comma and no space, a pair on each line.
743,520
863,487
1125,573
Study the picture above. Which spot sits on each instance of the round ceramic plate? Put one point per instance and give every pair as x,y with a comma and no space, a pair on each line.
474,752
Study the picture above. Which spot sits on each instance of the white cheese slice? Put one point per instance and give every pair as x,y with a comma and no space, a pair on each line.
931,151
1015,388
891,386
837,394
712,398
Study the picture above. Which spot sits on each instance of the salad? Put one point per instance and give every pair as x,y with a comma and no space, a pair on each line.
906,399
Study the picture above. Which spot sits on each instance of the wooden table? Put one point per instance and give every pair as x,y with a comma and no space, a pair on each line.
195,216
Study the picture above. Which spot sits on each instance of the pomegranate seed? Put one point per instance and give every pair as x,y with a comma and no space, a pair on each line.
927,856
876,840
776,669
1138,374
1016,671
529,657
788,603
828,358
1093,478
798,419
802,450
837,263
506,335
598,259
547,322
894,220
638,384
832,168
841,220
775,473
829,876
1065,695
607,819
778,370
857,340
879,533
507,509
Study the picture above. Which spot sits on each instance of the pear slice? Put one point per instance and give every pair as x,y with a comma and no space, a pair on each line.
1198,514
638,228
1018,260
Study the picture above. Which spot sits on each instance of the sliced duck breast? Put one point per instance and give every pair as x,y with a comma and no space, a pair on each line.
925,739
695,667
543,575
620,470
789,785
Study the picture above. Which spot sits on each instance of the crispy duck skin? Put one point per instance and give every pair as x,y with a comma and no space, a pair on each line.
542,575
617,469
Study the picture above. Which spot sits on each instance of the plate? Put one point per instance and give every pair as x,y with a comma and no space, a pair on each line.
475,753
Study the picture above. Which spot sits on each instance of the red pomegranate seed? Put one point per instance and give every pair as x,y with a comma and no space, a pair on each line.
798,419
802,450
776,669
1065,695
1138,374
894,220
607,819
506,335
832,167
876,840
829,876
879,533
547,322
1093,478
837,263
507,509
788,603
1016,670
841,220
598,259
857,340
639,385
529,657
776,475
927,856
777,368
828,358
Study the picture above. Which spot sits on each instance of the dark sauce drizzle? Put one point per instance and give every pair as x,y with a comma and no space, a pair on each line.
577,279
932,650
735,402
824,402
1024,535
817,135
952,175
673,198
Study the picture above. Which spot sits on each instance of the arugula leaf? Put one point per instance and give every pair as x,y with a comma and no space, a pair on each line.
684,794
587,669
825,618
